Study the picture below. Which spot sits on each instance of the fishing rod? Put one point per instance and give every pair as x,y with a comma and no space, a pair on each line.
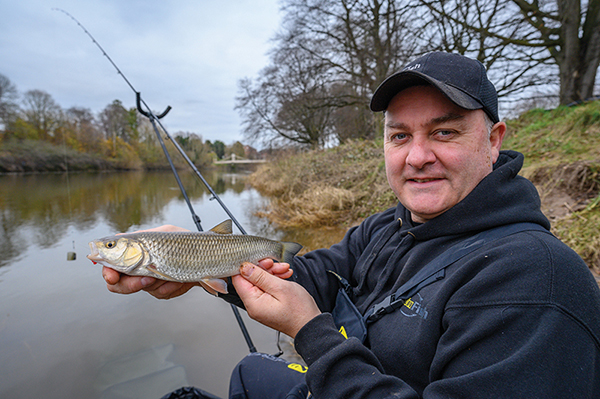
155,120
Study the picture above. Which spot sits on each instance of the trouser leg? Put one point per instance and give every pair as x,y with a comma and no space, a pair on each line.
262,376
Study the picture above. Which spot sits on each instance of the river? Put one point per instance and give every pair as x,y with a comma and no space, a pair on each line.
64,335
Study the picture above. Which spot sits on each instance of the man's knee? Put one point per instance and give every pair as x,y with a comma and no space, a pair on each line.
260,375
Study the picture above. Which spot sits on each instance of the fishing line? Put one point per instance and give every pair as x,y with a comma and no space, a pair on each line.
70,255
155,120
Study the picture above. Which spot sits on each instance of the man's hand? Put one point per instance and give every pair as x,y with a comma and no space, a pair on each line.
283,305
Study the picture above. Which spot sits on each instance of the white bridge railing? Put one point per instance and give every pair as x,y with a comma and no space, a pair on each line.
234,159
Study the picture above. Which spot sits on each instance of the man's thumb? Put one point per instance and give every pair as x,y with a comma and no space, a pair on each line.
247,270
256,276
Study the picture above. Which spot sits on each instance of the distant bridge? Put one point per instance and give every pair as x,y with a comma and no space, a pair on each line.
233,159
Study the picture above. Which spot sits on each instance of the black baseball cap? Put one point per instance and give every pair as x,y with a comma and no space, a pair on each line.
463,80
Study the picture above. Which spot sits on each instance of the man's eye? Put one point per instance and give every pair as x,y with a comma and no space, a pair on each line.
399,136
444,133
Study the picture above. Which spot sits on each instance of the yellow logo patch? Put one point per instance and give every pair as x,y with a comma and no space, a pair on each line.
343,332
298,367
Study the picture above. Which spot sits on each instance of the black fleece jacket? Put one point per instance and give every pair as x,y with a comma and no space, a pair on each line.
517,318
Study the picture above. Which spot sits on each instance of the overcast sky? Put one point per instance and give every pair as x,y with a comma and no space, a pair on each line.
189,54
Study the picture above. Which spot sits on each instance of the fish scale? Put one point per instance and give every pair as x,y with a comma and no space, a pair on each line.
193,256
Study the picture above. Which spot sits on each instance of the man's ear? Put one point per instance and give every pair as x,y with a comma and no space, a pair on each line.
496,138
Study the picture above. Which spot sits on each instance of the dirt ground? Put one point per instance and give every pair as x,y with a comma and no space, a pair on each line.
560,202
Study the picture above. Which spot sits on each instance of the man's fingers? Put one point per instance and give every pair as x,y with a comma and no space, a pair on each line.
252,283
279,304
279,269
110,276
129,284
266,263
123,284
288,273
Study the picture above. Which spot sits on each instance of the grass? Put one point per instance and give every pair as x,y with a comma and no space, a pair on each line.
559,136
337,186
562,152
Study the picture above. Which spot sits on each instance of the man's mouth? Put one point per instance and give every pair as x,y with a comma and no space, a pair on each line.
423,180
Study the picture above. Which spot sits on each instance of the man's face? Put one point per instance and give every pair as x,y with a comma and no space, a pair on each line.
436,152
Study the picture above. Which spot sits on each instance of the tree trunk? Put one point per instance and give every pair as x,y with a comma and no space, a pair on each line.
579,57
590,50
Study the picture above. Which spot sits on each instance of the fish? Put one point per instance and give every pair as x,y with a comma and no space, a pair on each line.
204,257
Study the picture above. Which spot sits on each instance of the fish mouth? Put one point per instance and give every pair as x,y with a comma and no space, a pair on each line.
95,254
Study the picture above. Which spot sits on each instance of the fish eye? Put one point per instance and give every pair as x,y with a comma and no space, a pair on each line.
110,244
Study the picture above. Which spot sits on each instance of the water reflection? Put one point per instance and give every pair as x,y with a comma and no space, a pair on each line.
48,203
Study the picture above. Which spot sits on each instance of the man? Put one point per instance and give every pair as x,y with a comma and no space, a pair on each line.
518,316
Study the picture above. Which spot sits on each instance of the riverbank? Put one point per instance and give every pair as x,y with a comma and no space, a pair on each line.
39,156
342,185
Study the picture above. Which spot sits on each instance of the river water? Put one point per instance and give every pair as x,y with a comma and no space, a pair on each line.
64,335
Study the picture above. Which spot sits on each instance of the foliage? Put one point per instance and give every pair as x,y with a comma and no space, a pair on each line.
562,148
8,99
219,148
579,230
561,135
199,152
236,148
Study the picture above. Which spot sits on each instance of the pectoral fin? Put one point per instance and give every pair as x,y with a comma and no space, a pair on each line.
214,285
208,288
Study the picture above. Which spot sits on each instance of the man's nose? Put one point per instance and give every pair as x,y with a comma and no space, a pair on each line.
420,154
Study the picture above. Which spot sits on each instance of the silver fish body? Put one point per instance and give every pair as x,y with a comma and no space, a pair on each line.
187,256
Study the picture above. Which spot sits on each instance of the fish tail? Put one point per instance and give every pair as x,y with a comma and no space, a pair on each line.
290,249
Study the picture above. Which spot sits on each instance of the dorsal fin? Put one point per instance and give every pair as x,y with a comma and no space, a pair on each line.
223,228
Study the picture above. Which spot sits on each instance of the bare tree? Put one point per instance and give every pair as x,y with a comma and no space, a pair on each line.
362,41
8,100
284,104
525,43
330,55
84,126
328,59
42,113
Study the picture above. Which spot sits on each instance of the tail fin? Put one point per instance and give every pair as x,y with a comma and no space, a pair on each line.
290,249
